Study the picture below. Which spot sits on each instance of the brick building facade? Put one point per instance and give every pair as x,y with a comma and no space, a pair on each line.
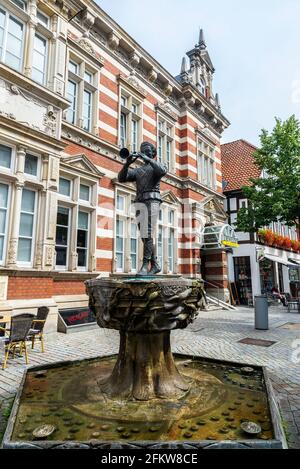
74,89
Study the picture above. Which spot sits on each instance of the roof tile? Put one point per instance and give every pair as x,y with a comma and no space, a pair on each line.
238,164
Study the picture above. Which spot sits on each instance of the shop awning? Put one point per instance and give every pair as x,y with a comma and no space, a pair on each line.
295,262
278,259
218,237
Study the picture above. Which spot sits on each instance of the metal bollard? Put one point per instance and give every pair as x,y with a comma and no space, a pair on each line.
261,313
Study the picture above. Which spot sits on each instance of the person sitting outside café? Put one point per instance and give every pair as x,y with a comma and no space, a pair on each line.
281,296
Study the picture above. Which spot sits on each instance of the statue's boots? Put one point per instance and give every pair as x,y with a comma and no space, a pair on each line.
143,272
155,267
148,252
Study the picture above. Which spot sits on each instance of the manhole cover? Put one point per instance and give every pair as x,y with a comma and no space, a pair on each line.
290,325
257,342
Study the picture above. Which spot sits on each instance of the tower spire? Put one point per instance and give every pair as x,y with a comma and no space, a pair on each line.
183,66
202,43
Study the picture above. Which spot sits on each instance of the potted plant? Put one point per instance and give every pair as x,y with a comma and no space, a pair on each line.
287,243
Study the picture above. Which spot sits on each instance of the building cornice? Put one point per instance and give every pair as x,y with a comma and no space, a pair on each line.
26,132
18,79
122,47
90,141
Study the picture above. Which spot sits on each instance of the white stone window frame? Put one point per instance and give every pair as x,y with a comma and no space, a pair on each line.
75,204
84,65
166,226
11,170
85,209
128,216
64,196
64,204
46,33
7,220
130,115
20,15
46,15
8,177
30,263
31,26
18,180
47,54
202,155
163,134
38,175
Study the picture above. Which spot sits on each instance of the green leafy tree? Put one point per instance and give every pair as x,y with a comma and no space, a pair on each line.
276,196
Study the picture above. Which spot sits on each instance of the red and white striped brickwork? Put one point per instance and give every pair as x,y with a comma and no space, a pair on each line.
185,155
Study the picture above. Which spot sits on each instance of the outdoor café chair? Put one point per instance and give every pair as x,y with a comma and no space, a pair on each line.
2,327
19,328
37,328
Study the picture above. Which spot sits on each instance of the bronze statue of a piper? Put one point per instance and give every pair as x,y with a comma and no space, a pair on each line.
148,199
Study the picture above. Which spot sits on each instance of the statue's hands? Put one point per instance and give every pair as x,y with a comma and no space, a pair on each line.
131,159
144,157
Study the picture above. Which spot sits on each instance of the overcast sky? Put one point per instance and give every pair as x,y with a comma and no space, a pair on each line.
254,46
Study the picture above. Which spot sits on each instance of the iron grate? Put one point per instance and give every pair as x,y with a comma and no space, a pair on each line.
257,342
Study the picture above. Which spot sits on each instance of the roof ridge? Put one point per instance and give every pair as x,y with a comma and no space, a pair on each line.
240,140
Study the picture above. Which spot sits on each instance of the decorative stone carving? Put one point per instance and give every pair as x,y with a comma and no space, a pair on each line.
168,89
74,260
152,76
134,59
88,21
21,106
49,259
9,115
113,41
132,81
12,251
39,255
50,121
201,109
14,89
86,45
145,311
191,101
166,108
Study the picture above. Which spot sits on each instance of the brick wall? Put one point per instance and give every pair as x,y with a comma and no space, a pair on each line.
35,287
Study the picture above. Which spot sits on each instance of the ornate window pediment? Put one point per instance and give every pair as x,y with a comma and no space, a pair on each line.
170,198
82,163
213,206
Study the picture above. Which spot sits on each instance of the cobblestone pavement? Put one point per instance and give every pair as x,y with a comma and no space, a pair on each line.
214,334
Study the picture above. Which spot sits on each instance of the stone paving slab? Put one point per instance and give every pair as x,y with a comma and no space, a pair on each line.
214,334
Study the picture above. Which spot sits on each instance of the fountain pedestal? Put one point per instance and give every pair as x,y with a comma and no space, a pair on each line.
145,311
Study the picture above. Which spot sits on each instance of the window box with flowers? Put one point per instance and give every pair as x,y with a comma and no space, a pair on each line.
270,238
